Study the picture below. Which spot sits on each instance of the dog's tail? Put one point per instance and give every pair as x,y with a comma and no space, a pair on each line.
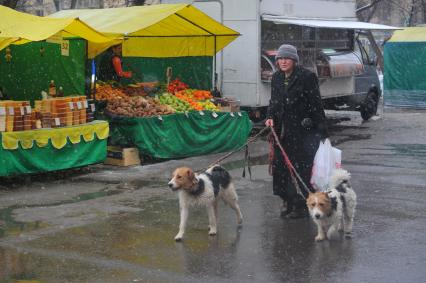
339,177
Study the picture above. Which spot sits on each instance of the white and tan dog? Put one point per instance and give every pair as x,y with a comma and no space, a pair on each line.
334,209
203,189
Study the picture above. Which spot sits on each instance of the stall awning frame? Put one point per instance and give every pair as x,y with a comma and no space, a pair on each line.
328,23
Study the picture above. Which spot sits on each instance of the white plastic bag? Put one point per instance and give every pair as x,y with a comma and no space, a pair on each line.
327,158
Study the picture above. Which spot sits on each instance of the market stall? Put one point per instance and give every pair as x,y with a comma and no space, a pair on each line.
49,131
404,75
180,119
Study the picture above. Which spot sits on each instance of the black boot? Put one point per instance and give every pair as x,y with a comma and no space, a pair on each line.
300,211
286,208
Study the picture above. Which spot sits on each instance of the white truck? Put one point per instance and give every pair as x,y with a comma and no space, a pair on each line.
324,31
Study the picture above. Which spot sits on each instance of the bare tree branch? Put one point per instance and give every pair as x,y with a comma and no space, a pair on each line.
368,6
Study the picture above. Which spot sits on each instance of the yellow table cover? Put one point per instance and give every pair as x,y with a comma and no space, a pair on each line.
58,136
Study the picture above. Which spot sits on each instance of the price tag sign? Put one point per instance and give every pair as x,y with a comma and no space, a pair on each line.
85,104
201,113
65,48
22,110
3,111
232,114
214,114
79,106
186,114
28,109
160,118
239,114
57,122
92,107
71,105
11,111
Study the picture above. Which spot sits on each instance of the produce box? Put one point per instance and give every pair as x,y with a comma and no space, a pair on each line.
122,156
227,105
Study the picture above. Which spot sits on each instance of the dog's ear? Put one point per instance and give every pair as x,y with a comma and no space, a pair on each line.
191,175
325,195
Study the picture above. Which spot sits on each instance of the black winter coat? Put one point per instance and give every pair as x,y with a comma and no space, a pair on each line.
288,107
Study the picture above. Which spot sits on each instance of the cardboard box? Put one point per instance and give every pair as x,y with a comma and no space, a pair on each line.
122,156
230,108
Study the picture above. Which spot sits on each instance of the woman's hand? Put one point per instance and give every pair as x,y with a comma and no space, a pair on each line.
269,123
127,74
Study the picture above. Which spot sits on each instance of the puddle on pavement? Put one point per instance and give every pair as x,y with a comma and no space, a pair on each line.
416,153
28,267
144,239
10,227
341,139
418,150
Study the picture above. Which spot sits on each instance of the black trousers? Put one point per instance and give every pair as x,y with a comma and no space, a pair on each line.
283,185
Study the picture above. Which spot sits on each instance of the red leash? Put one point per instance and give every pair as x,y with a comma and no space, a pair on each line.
293,172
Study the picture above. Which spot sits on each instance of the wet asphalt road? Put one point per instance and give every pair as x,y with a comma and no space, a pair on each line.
108,224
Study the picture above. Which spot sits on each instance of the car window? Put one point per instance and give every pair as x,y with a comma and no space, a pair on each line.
267,68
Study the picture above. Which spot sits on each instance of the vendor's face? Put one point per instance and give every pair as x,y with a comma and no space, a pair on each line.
117,50
286,64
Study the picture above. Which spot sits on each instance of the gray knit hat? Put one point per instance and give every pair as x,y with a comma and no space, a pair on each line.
287,51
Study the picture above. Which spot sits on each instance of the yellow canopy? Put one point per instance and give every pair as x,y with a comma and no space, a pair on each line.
165,30
413,34
19,28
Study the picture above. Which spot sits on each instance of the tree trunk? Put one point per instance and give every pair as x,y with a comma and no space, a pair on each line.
424,11
73,4
56,2
411,14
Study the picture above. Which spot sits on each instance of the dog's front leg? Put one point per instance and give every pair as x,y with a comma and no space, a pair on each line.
333,230
348,226
321,233
212,220
183,220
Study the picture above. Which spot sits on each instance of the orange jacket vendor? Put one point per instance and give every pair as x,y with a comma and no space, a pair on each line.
110,67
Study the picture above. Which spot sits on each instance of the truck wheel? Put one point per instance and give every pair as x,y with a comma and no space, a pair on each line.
369,106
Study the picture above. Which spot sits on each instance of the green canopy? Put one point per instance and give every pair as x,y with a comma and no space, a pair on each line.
405,68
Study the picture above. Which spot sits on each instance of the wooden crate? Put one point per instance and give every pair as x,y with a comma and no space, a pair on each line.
122,156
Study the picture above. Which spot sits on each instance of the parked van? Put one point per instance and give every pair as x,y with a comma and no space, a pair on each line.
326,35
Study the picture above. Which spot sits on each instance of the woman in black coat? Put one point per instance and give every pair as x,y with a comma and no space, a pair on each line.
296,113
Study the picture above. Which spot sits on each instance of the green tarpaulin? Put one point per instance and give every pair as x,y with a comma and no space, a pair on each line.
36,160
179,135
34,65
197,72
405,73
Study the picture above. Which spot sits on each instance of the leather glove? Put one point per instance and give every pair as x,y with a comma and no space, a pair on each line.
307,123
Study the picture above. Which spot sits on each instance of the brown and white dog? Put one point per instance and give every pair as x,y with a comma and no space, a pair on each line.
334,209
204,189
